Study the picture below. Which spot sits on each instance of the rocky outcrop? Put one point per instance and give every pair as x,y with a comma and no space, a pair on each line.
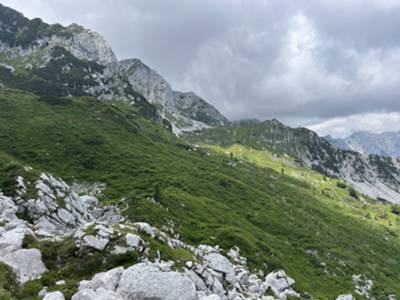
363,285
281,284
26,263
55,211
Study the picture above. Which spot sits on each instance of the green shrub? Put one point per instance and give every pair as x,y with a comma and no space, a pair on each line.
341,185
353,193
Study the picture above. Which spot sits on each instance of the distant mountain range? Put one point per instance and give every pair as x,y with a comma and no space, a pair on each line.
385,144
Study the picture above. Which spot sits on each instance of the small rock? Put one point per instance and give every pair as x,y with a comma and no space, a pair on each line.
146,228
43,292
54,296
95,242
345,297
133,240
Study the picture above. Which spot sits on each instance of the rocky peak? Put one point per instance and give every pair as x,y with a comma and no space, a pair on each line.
89,45
198,109
11,22
186,111
22,38
147,81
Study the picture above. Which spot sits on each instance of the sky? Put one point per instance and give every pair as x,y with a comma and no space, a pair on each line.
330,65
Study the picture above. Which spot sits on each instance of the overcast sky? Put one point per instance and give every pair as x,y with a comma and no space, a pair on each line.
330,65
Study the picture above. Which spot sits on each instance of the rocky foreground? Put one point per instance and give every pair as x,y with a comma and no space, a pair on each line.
49,209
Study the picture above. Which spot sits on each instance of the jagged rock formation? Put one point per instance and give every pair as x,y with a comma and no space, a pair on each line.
383,144
77,61
373,175
186,111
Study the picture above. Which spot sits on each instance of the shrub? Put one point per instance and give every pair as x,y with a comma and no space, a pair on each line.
341,185
353,193
396,210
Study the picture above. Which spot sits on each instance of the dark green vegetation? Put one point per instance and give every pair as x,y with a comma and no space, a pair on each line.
53,80
16,30
276,220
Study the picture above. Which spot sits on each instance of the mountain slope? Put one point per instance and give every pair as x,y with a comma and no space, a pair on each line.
76,61
376,176
384,144
209,198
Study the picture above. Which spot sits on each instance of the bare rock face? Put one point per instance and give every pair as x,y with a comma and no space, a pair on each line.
89,45
186,111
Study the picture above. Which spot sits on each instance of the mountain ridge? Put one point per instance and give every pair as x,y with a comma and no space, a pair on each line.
376,176
106,78
384,144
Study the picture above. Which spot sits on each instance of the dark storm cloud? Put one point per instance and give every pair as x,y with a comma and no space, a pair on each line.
306,62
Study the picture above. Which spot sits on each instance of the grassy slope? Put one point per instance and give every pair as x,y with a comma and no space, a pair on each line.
274,218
